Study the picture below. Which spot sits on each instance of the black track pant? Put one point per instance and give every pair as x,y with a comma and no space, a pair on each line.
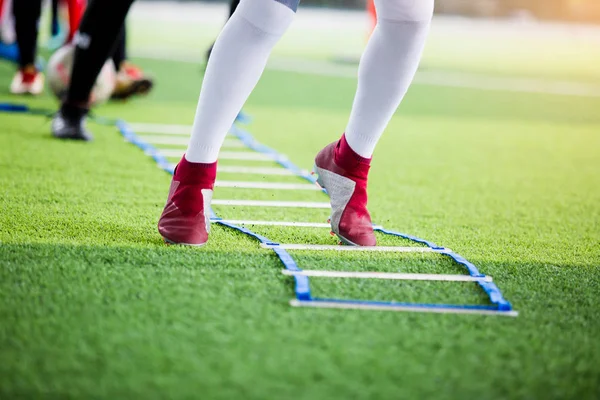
120,52
27,16
232,6
98,34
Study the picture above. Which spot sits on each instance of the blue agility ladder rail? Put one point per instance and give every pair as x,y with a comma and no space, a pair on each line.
500,306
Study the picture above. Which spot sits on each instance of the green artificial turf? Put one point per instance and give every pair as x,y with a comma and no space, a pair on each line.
94,305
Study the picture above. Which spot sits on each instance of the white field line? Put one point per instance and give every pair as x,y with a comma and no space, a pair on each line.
387,275
269,203
513,84
229,155
266,185
319,247
397,307
430,78
449,79
276,223
254,170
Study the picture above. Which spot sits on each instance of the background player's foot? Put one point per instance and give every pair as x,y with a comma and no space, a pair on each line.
27,80
343,173
131,81
186,217
69,123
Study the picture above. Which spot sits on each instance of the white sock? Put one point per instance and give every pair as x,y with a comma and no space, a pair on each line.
236,64
387,68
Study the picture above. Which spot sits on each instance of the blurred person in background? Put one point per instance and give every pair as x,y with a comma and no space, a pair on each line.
8,47
28,79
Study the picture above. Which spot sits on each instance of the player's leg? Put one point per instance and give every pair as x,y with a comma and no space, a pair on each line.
237,62
54,19
120,52
95,40
386,70
131,80
233,4
27,79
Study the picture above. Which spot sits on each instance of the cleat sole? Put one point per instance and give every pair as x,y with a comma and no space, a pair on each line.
346,242
172,243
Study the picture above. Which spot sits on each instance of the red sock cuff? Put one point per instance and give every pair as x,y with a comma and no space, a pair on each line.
199,173
348,159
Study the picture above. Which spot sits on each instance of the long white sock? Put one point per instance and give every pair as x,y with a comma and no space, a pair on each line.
387,68
236,64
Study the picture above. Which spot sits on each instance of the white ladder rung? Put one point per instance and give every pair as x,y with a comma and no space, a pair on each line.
233,144
266,185
271,203
173,153
254,170
167,129
250,156
162,129
275,223
349,305
158,139
229,155
181,141
320,247
387,275
251,170
279,223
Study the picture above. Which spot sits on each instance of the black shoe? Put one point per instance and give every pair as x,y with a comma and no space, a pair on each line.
69,123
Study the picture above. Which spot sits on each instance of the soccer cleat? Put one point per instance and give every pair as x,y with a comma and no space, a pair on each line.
186,217
69,123
343,173
131,81
27,80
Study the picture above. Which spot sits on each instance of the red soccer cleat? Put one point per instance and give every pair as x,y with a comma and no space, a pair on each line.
131,81
186,217
343,173
27,80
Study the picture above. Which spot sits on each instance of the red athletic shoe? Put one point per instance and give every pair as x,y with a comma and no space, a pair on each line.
186,217
343,173
27,80
131,81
